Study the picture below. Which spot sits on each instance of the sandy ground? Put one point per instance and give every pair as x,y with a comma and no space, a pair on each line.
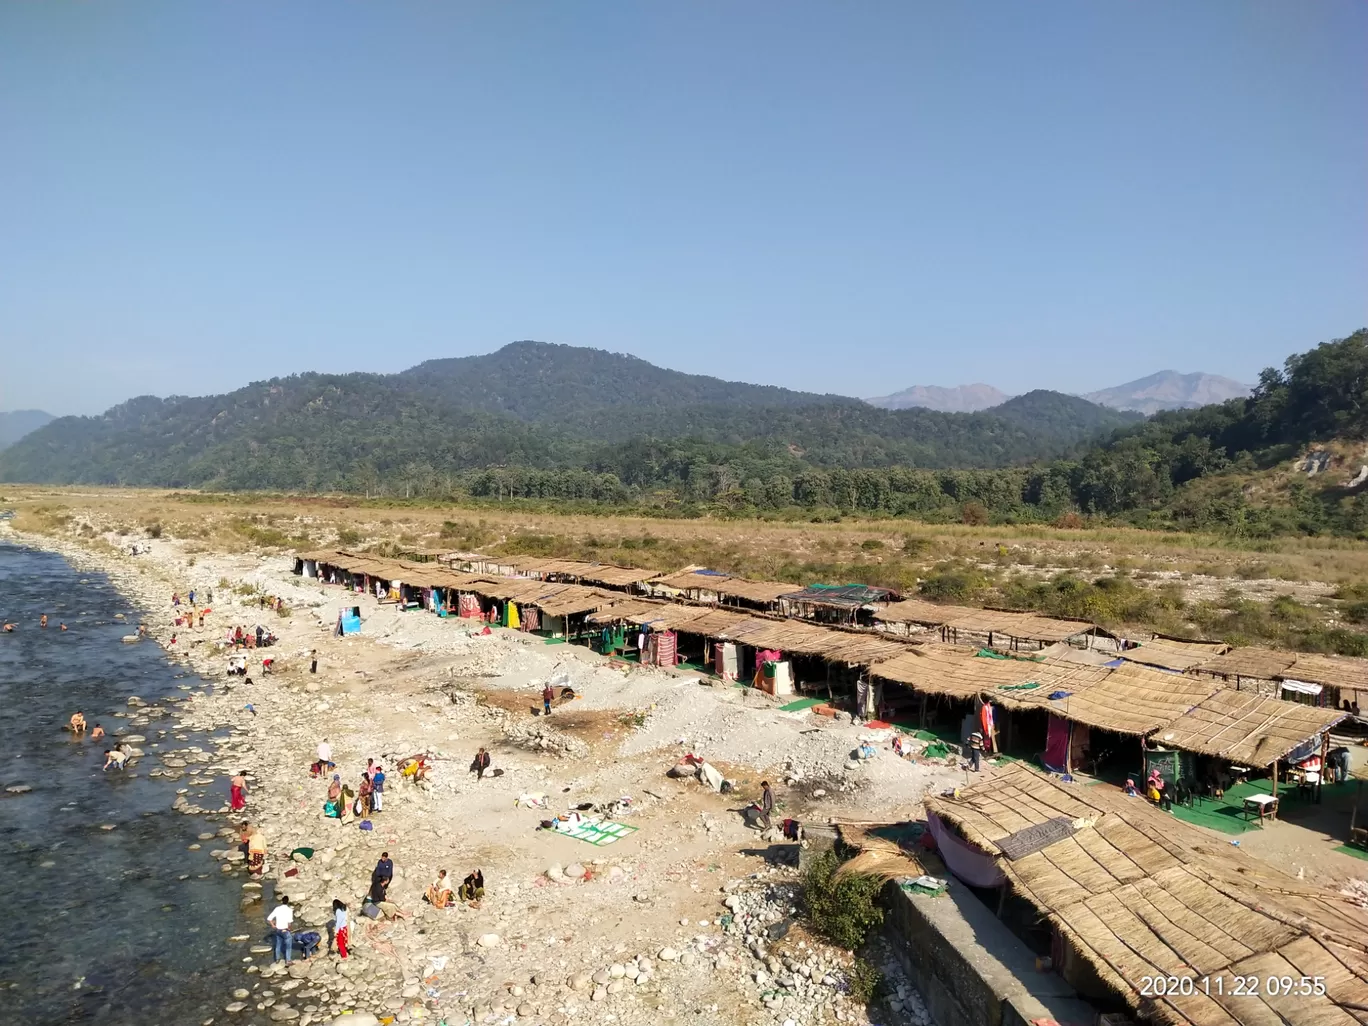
562,922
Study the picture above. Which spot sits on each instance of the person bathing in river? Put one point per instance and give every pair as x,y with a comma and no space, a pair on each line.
237,792
78,723
42,620
9,627
116,757
97,732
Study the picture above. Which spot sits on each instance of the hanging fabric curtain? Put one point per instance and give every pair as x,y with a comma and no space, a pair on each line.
512,622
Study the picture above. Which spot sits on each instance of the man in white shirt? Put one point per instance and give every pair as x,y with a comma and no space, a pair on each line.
325,754
281,919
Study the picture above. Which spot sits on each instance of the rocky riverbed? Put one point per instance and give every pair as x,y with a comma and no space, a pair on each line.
671,923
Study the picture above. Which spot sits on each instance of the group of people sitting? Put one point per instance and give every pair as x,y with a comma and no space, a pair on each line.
471,890
260,638
342,802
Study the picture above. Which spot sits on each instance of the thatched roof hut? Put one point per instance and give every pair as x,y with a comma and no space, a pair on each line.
1138,894
1245,728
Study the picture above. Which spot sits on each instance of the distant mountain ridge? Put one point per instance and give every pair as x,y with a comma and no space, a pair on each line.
1169,390
960,399
1165,390
535,406
18,423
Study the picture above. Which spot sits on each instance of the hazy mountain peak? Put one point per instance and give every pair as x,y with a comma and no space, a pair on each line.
1169,390
17,423
960,399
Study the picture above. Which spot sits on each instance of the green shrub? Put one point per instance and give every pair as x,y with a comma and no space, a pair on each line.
346,536
840,908
865,981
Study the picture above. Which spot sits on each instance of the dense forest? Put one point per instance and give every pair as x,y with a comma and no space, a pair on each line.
581,422
540,423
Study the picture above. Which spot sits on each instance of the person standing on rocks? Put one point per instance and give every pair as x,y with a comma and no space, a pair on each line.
237,792
282,940
480,764
313,660
548,695
381,876
766,803
378,789
340,927
325,758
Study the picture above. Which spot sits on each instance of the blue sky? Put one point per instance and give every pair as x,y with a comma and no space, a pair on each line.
837,197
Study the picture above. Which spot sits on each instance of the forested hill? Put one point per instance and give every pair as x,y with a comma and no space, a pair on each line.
1234,464
536,407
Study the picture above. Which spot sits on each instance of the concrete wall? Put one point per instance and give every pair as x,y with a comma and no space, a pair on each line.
969,967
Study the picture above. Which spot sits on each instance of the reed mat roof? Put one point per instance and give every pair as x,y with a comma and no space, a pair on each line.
1139,894
1246,728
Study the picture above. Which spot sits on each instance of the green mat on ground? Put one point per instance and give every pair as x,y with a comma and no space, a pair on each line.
598,833
935,750
1224,814
555,641
1345,849
800,704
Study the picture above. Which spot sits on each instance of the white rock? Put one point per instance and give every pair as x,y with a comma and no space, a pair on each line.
667,954
488,940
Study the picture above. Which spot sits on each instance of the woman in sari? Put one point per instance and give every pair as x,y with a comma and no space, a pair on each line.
363,798
439,894
237,792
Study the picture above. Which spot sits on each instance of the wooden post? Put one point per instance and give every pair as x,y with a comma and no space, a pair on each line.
1325,754
1002,900
1275,778
923,711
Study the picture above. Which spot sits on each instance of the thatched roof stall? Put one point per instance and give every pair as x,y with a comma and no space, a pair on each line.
1245,728
693,579
1128,699
628,610
1174,653
1018,627
760,593
922,613
569,599
1251,662
1138,894
838,596
952,672
1344,672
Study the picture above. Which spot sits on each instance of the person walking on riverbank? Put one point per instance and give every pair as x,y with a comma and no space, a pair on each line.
480,764
766,803
548,695
340,927
282,940
313,660
237,792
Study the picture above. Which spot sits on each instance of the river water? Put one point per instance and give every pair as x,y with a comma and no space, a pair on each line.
99,926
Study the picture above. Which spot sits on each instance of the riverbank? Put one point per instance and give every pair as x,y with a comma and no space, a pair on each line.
630,932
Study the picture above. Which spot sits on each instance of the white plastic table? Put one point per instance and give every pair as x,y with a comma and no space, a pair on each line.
1265,804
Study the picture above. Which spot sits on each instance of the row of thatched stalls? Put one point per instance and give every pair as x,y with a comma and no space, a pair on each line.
549,608
1119,721
783,657
1144,916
